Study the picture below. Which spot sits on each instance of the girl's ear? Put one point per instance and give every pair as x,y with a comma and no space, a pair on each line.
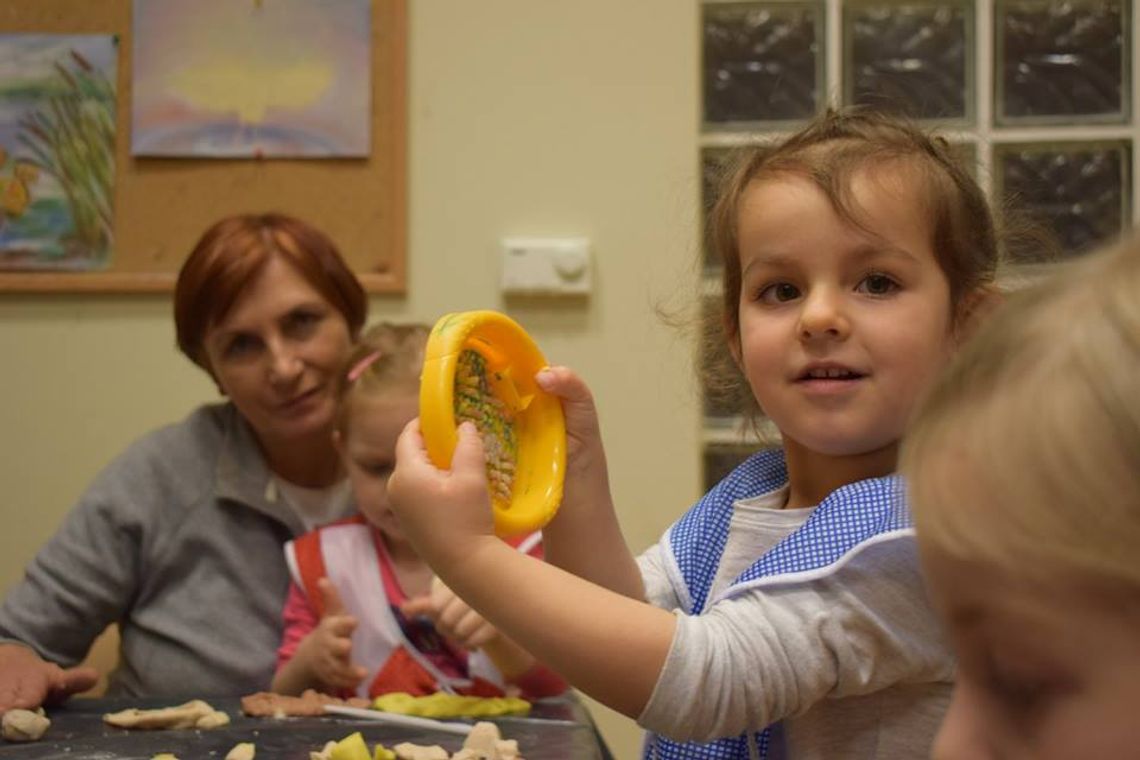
338,442
975,308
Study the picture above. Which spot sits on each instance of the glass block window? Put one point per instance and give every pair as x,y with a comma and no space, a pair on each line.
762,62
1060,62
721,459
1038,98
714,162
1079,190
914,58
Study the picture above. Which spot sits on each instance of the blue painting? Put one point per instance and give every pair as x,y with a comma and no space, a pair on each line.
227,79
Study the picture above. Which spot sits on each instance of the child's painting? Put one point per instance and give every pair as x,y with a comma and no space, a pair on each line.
252,78
57,150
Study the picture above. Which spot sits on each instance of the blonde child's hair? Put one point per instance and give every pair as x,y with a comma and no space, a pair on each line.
1041,413
830,151
387,359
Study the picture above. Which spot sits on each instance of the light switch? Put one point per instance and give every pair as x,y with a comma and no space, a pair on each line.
546,266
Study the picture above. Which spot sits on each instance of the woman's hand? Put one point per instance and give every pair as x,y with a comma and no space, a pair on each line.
326,653
443,512
26,681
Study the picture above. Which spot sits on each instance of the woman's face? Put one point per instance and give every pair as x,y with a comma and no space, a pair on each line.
276,355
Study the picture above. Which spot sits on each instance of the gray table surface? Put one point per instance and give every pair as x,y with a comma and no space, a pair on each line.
557,729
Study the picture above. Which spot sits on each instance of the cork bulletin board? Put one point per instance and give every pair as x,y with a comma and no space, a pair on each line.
162,205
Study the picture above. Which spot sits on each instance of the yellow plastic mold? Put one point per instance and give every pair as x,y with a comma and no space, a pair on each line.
510,359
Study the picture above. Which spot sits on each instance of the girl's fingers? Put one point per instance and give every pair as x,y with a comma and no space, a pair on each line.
473,630
469,450
410,444
340,626
330,597
420,606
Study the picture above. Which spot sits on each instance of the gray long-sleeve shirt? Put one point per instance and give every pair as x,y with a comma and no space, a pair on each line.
178,540
853,661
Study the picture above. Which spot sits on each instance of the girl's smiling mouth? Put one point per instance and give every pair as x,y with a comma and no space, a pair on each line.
827,372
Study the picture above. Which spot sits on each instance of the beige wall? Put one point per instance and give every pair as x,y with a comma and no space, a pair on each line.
526,118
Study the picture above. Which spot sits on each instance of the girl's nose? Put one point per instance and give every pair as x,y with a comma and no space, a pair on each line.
822,316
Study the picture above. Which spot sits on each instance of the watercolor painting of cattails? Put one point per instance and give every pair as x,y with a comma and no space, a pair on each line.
57,151
226,79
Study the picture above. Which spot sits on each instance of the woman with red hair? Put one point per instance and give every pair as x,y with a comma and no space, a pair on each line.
193,516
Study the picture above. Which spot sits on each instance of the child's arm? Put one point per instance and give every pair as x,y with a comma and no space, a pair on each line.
323,659
609,645
584,537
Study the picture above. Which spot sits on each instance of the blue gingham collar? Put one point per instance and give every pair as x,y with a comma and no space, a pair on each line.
849,516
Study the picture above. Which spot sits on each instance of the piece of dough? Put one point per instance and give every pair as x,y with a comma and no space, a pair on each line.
409,751
193,714
24,725
484,742
266,704
242,751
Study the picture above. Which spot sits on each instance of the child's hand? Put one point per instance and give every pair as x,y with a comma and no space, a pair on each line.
441,511
327,650
584,453
586,491
451,617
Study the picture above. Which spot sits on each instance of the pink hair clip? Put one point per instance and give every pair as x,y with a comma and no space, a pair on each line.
358,369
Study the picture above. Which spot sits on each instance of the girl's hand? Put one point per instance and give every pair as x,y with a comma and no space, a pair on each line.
451,617
441,511
327,651
586,492
585,456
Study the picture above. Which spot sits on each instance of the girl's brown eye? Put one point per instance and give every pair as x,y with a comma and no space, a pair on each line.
779,292
878,284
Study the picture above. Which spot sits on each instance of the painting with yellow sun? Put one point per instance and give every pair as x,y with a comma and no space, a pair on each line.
260,78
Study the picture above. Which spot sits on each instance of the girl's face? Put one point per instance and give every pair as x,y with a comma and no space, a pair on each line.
368,448
840,331
276,354
1043,672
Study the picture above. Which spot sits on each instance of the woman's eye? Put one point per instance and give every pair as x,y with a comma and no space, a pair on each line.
240,346
877,285
301,322
778,292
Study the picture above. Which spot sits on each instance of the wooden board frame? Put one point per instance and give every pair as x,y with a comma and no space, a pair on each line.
161,206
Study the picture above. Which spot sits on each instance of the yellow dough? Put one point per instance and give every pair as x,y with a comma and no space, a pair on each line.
441,705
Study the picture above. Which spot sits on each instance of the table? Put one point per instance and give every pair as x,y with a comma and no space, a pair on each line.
556,729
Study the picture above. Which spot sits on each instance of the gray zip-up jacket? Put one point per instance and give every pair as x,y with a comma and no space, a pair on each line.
178,540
